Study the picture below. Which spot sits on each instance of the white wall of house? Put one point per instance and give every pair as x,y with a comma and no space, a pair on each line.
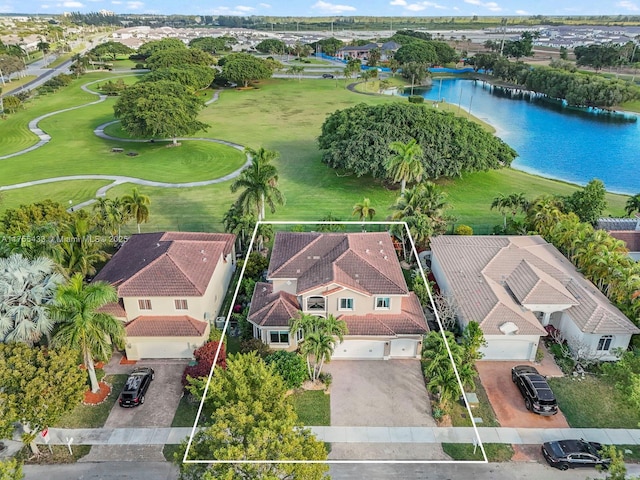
576,338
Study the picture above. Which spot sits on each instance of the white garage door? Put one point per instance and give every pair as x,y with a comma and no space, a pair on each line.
403,347
166,349
507,350
359,349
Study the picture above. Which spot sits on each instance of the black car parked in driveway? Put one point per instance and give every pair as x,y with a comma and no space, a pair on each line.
566,454
535,390
136,387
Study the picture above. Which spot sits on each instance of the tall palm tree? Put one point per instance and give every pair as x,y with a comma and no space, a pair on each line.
137,206
543,214
406,165
633,205
82,327
240,223
364,210
260,183
80,250
27,287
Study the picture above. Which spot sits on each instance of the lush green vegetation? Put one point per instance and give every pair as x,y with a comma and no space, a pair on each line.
591,402
94,416
496,452
312,407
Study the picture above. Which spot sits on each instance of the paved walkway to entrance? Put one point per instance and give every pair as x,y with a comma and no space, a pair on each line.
523,436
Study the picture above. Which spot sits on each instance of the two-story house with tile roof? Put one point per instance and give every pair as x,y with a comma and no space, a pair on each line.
170,288
355,277
515,286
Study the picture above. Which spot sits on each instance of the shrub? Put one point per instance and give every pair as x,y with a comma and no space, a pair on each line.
565,363
256,265
463,230
255,345
215,335
139,66
416,99
326,378
205,355
11,104
290,366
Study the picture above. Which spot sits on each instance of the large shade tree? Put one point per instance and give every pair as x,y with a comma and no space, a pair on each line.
162,109
259,183
252,420
244,68
27,288
82,326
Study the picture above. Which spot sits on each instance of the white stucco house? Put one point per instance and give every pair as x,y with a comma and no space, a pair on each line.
170,287
515,286
356,277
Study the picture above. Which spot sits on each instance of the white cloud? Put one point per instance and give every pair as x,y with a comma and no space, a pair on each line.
264,5
135,5
522,12
7,8
492,6
628,5
44,7
71,4
116,2
332,7
415,7
398,2
242,8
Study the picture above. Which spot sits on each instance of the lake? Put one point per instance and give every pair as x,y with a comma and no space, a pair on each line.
552,141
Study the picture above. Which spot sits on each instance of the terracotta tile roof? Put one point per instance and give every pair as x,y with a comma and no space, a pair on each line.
631,238
165,326
366,262
166,264
270,309
410,321
477,269
114,308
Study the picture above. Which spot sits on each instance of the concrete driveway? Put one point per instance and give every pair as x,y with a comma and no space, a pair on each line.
384,394
506,400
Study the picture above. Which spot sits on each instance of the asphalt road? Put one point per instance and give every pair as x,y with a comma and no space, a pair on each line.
166,471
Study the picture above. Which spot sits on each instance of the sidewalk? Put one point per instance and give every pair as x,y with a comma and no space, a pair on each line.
160,436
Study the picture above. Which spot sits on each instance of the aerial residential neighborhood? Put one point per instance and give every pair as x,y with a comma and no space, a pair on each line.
341,242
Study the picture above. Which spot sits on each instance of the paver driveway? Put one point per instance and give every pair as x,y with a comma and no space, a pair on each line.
506,400
379,393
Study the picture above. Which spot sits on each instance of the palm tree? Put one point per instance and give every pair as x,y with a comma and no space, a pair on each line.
260,183
406,165
137,206
236,221
364,210
80,250
82,326
633,205
543,214
27,287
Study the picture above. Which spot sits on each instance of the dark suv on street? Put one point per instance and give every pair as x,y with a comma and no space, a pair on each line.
136,387
535,390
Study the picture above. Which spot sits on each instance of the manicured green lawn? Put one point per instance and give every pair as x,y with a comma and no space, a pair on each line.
186,413
281,114
17,83
496,452
312,407
94,416
593,403
460,415
75,190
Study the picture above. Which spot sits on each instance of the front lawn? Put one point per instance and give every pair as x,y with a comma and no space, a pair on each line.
58,454
460,415
94,416
186,413
312,407
496,452
593,403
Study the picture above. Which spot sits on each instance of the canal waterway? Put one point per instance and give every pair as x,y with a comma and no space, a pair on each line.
553,141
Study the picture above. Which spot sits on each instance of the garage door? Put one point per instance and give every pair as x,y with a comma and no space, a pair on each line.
507,350
359,349
403,347
178,349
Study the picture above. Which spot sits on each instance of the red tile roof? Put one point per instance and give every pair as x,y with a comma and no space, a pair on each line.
272,309
165,326
410,321
114,308
166,263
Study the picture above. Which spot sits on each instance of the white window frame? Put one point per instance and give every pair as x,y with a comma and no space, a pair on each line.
279,333
144,304
605,341
347,300
299,336
382,300
181,304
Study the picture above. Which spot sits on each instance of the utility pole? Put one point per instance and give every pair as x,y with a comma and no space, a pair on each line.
332,28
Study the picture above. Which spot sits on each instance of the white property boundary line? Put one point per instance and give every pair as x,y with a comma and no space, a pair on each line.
442,332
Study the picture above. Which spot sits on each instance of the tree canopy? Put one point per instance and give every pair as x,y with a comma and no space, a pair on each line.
161,109
588,203
243,68
196,77
357,139
213,45
149,48
178,58
418,52
271,45
110,49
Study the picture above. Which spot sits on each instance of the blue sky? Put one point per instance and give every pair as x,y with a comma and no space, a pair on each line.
332,7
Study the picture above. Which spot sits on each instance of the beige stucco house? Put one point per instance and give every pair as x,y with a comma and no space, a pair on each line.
170,289
515,286
354,276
